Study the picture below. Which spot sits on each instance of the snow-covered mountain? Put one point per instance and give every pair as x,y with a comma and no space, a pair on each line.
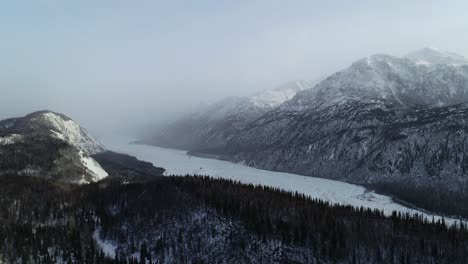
70,131
402,82
49,144
271,99
428,56
214,125
384,121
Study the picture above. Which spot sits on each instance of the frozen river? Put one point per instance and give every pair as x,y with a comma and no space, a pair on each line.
178,162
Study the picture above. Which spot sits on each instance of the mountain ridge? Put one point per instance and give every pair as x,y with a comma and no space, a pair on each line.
215,124
49,144
431,55
382,121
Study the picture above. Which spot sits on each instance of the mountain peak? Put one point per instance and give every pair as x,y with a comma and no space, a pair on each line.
275,97
402,82
58,125
47,112
430,55
42,134
65,128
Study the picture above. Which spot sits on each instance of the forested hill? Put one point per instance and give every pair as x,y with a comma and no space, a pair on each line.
202,220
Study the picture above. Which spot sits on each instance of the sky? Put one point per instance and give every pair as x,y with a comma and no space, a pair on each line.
112,64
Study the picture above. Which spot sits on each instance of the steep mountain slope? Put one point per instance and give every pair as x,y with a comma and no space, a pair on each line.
215,124
383,121
51,145
70,131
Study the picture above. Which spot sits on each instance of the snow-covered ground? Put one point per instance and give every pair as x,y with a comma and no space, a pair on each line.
93,167
11,139
107,247
178,162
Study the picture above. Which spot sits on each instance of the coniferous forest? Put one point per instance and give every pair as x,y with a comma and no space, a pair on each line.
195,219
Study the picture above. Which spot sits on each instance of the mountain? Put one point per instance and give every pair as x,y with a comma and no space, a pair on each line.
436,56
50,145
213,125
59,125
270,99
390,123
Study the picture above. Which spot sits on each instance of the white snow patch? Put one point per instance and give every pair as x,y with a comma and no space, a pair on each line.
273,98
107,247
28,172
70,131
11,139
58,135
93,167
83,181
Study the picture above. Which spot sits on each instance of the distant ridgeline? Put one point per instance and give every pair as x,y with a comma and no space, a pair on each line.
211,126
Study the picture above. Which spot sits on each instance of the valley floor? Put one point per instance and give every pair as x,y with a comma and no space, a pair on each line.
177,162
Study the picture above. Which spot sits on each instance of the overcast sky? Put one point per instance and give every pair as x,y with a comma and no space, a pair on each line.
110,63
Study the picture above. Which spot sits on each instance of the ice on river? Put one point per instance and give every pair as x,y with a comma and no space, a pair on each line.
179,163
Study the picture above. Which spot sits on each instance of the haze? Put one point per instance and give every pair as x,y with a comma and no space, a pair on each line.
117,65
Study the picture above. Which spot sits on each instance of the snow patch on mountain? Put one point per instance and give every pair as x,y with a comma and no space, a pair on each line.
275,97
58,135
11,139
69,131
93,167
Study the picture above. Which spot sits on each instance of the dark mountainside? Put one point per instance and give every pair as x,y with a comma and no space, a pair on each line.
398,125
122,165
